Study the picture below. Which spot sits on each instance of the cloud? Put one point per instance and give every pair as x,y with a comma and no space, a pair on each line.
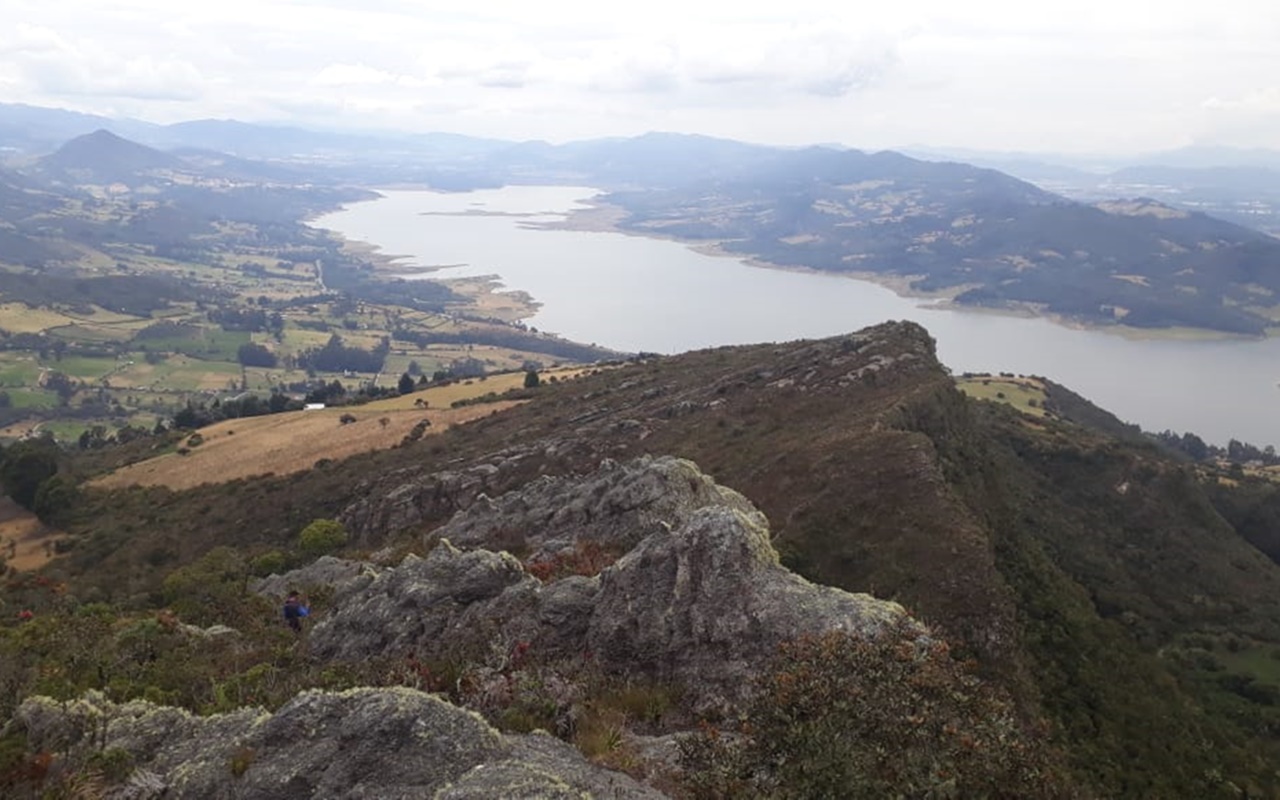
995,73
352,75
48,62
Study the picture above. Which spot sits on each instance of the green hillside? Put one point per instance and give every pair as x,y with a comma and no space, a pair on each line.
1109,588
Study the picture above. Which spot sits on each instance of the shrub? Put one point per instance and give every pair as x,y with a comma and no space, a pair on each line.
210,589
268,563
838,716
322,536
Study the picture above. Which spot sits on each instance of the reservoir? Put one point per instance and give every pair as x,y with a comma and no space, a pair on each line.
634,293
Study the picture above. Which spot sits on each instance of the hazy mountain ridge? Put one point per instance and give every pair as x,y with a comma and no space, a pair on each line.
979,236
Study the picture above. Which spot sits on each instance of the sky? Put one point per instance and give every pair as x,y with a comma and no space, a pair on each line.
1114,77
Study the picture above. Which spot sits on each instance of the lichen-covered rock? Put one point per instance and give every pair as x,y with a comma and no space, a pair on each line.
617,506
451,601
700,599
362,743
406,498
324,571
708,604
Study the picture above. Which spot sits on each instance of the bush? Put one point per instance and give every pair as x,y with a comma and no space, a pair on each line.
210,590
895,717
322,536
268,564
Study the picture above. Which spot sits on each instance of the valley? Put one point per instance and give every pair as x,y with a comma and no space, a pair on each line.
579,510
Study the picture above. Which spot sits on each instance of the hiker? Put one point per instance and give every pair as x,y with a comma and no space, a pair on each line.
294,610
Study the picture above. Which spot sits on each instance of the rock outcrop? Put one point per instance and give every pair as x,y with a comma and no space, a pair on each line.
362,743
325,571
700,599
617,507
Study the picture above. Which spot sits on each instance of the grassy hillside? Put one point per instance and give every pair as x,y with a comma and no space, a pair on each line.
1086,572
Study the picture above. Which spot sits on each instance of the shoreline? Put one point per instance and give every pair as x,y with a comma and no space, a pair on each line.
601,217
483,293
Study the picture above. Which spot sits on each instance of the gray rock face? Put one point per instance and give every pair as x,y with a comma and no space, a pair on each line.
403,499
709,604
451,603
617,507
362,743
700,599
324,571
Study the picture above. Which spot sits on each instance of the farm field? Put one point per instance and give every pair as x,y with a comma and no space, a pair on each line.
446,396
151,307
20,318
285,443
1025,394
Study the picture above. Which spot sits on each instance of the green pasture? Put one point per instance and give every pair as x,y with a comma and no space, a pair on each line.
31,397
179,373
18,369
212,343
84,368
91,333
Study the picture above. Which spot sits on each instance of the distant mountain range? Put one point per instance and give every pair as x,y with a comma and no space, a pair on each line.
1131,255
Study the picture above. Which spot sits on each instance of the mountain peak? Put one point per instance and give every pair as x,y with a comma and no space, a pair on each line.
105,156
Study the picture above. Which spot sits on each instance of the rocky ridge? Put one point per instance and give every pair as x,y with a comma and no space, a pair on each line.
363,743
699,599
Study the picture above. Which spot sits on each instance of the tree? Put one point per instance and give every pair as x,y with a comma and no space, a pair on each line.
531,380
251,354
209,590
62,384
406,383
26,465
54,498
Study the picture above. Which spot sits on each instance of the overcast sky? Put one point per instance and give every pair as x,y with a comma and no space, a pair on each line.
1118,76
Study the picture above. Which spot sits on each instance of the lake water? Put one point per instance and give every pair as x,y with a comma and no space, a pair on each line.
633,293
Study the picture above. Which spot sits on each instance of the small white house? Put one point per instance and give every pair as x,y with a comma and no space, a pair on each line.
313,406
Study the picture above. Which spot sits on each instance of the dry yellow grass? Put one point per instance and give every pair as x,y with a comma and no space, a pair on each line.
20,318
445,396
285,443
28,540
1017,392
